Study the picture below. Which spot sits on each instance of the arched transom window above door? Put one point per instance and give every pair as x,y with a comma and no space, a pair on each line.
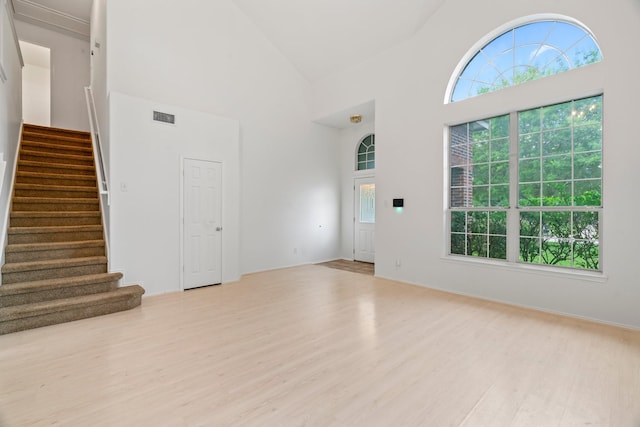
366,153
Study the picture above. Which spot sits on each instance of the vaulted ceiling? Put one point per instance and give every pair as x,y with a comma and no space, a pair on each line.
318,37
322,36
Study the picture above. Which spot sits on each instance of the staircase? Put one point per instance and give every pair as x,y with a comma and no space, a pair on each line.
55,262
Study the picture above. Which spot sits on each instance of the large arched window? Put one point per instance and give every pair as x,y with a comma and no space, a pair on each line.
526,186
524,53
366,154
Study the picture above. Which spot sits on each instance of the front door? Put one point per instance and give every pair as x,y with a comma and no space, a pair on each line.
364,219
202,246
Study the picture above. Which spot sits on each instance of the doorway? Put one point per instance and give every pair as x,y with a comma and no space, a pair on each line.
36,84
202,223
364,219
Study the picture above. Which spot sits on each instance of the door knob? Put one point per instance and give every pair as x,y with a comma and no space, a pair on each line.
218,228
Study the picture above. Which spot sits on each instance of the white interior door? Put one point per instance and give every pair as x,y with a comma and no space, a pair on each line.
202,246
364,219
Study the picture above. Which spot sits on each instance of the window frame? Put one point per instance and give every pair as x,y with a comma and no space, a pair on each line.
368,152
513,210
492,61
489,37
578,83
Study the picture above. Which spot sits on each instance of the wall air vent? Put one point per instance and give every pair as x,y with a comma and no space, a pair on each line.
164,117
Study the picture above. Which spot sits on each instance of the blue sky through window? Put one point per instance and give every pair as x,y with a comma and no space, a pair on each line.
525,53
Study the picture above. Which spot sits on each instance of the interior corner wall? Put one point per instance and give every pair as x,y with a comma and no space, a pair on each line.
209,57
10,123
69,74
409,83
98,71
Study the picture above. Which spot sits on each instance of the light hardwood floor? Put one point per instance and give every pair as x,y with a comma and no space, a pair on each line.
314,346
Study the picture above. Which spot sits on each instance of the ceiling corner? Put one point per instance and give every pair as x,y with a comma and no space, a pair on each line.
43,16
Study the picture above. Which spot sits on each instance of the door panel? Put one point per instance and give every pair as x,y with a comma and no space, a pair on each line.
202,223
364,219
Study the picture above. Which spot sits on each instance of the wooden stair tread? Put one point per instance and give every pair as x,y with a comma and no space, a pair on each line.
55,165
55,176
56,263
40,308
32,247
77,137
50,129
54,214
24,186
47,145
65,140
54,200
54,229
56,155
39,285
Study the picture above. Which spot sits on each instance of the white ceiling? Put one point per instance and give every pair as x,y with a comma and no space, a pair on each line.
71,17
79,9
319,37
341,119
323,36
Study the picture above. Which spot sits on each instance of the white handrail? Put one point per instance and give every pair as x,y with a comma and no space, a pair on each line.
101,170
103,179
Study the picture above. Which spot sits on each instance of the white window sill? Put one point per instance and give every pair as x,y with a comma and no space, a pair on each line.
561,273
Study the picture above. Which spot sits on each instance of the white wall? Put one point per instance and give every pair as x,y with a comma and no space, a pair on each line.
36,87
147,159
208,57
408,83
98,82
98,71
10,121
69,74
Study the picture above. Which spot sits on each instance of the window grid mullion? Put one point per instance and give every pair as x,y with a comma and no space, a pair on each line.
513,220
